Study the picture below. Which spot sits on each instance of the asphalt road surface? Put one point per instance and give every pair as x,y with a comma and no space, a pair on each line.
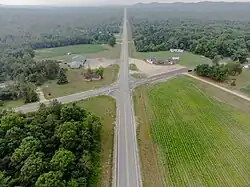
127,165
69,98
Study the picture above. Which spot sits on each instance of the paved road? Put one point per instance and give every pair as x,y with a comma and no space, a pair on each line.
127,170
69,98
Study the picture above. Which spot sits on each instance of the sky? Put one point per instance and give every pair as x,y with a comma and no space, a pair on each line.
94,2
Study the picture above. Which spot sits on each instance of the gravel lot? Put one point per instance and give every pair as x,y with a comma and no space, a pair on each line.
151,69
97,62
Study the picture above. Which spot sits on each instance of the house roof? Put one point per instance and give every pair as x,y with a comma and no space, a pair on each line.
76,64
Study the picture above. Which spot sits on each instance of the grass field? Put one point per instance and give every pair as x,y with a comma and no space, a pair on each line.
186,58
133,67
87,50
78,84
187,138
243,81
107,111
139,75
12,104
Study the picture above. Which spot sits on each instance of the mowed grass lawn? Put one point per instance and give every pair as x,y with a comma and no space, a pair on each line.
87,50
104,107
243,81
78,84
186,58
187,138
12,104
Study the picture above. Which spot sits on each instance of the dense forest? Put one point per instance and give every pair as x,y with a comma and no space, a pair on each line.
52,27
21,74
202,31
57,146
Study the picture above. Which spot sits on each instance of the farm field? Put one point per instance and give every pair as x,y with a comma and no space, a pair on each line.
78,84
107,111
87,50
188,138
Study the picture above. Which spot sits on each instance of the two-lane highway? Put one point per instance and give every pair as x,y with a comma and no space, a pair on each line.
127,165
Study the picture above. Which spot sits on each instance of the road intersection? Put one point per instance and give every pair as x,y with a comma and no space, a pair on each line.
126,171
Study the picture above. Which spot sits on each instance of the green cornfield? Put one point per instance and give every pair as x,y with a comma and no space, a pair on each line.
201,142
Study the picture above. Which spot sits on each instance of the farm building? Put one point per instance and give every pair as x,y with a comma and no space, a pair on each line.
176,50
166,61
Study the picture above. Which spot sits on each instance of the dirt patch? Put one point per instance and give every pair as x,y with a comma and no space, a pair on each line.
97,62
151,69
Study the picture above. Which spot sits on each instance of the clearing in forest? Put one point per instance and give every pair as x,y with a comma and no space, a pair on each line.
66,53
77,83
186,58
187,138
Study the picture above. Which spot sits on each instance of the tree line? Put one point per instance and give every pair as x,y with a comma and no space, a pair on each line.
56,146
219,72
207,37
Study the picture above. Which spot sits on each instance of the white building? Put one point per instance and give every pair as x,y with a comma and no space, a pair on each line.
150,61
246,66
176,50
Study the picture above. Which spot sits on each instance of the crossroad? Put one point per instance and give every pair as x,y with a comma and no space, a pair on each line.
126,160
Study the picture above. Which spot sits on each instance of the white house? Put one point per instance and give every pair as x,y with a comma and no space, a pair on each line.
176,50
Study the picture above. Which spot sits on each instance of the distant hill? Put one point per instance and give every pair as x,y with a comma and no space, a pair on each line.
201,6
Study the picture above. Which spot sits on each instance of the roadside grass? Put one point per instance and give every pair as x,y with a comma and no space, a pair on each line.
139,75
243,81
104,107
186,58
133,67
86,50
12,104
118,37
246,89
78,84
188,138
